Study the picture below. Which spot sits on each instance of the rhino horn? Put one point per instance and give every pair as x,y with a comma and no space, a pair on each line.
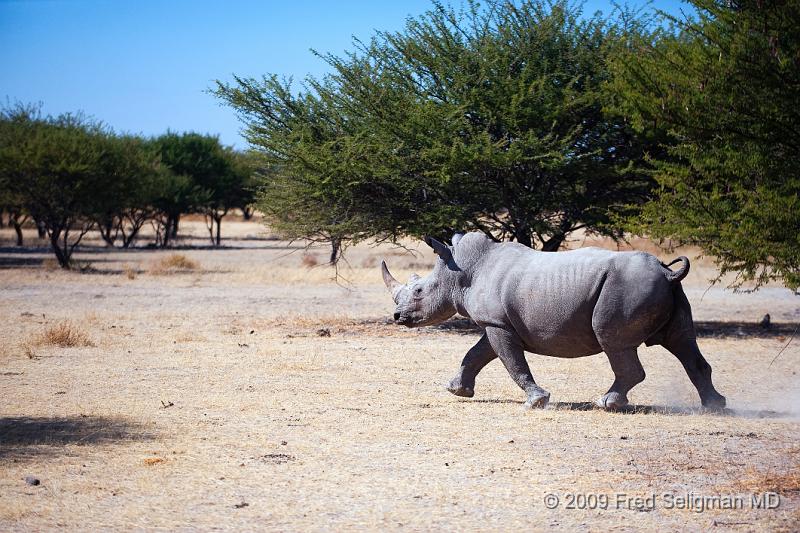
392,284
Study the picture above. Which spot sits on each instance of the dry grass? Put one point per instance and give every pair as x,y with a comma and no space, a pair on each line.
249,417
309,260
63,334
50,264
174,263
785,482
130,271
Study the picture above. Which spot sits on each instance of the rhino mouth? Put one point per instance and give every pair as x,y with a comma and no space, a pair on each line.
403,320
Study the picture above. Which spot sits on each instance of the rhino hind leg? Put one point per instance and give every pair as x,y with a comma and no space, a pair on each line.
628,372
698,370
463,384
508,348
679,337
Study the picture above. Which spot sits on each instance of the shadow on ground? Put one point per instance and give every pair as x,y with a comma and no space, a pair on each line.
635,409
29,436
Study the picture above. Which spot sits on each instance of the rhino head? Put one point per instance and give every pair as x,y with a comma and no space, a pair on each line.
429,300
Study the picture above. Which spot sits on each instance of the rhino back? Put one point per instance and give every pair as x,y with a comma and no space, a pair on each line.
549,298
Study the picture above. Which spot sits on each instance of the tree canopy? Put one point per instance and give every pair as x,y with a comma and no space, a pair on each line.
486,118
72,174
65,171
725,86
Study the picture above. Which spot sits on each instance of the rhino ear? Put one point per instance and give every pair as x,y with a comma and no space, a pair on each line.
456,238
441,249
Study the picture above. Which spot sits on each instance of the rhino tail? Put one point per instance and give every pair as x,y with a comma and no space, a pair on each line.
675,276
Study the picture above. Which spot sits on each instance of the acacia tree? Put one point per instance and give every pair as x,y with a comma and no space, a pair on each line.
13,121
726,85
12,203
491,119
227,189
128,199
55,166
207,180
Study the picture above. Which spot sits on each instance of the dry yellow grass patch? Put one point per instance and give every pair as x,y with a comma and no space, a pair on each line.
784,483
50,264
64,334
130,272
152,461
174,263
309,260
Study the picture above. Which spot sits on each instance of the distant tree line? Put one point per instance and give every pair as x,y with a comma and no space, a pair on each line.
70,174
530,120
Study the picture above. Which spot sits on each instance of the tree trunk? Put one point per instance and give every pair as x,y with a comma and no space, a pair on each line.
174,227
164,231
105,233
336,246
524,237
41,229
247,213
130,238
218,220
165,238
62,255
16,219
553,243
18,230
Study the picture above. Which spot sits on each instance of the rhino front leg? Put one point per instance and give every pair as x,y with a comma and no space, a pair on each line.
628,372
477,357
508,348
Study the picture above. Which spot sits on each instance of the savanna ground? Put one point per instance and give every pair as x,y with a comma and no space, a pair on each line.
249,391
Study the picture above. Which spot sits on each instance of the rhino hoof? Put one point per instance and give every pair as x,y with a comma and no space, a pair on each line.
459,390
612,401
714,402
537,402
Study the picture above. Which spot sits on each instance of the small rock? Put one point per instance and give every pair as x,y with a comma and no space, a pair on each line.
284,443
240,505
30,480
624,437
766,322
324,332
252,331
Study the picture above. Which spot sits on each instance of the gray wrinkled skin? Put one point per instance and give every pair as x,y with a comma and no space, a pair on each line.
562,304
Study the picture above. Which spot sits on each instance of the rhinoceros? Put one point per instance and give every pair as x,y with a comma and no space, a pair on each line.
561,304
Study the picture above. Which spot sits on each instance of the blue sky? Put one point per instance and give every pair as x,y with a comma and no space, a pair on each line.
143,66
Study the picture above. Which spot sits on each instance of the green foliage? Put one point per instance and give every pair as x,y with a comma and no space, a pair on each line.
207,178
64,171
72,175
726,87
130,192
486,118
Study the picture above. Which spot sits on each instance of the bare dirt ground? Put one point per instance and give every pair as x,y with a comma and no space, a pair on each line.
255,393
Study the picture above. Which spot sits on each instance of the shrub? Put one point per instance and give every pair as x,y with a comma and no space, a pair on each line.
64,334
174,263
